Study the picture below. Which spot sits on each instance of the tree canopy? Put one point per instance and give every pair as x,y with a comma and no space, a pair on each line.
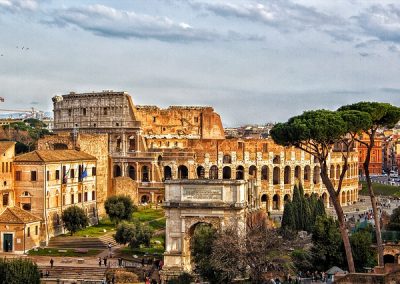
18,270
74,219
119,208
135,234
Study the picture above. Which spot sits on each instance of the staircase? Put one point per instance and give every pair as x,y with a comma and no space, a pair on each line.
75,273
82,242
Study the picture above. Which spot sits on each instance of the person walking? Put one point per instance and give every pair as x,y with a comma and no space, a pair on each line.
51,263
109,249
105,261
100,261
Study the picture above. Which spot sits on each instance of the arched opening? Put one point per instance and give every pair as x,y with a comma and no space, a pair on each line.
343,198
117,171
132,172
226,173
132,143
275,202
227,159
324,198
200,172
201,236
276,160
26,206
214,172
253,171
287,175
286,198
239,173
60,146
159,199
145,199
167,173
297,172
307,173
159,160
264,201
183,172
332,172
316,175
348,197
337,171
277,175
388,258
264,173
145,174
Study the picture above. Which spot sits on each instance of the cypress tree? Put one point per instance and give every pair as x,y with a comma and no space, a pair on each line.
297,208
288,219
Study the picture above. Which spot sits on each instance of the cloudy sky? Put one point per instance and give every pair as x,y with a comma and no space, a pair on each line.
254,62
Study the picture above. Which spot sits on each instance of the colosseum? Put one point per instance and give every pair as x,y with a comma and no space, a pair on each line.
148,145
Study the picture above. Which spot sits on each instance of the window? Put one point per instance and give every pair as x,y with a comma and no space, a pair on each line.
2,167
33,176
36,230
93,195
105,111
84,111
72,198
154,119
18,175
5,183
93,171
48,175
72,173
69,112
196,119
28,233
79,197
57,174
5,199
6,167
85,196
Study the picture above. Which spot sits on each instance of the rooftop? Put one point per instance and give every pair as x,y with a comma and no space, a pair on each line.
54,156
16,215
5,145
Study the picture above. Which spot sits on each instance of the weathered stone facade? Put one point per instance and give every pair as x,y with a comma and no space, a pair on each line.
151,145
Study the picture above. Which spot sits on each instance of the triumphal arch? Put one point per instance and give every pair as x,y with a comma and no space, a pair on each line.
219,203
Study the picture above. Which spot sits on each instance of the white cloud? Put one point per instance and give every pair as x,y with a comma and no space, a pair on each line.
109,22
19,5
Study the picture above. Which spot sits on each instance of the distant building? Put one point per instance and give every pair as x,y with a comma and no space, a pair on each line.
376,162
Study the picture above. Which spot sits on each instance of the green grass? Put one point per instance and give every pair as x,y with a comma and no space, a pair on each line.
148,214
157,224
95,230
381,189
69,252
155,248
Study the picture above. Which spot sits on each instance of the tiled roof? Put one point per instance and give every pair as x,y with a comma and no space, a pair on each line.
5,145
54,156
16,215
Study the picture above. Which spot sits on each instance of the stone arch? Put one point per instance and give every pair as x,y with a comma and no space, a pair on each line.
348,196
132,172
343,197
286,176
117,171
145,174
214,172
307,173
239,173
337,172
324,197
275,202
253,171
277,175
159,160
227,159
183,172
286,198
160,199
277,159
200,172
167,173
388,258
226,173
264,201
332,172
264,173
145,199
316,175
297,172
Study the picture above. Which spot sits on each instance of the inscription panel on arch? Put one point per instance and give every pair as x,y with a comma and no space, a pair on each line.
202,193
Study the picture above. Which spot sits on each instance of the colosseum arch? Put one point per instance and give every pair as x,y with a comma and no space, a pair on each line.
183,172
226,172
253,171
297,172
276,202
316,175
240,173
286,198
277,159
117,171
307,173
287,173
264,173
227,159
337,172
131,172
277,175
214,172
167,173
332,172
200,172
145,174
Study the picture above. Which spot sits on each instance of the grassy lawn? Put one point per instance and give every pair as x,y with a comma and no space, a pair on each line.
157,224
148,214
69,252
156,247
96,230
381,189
